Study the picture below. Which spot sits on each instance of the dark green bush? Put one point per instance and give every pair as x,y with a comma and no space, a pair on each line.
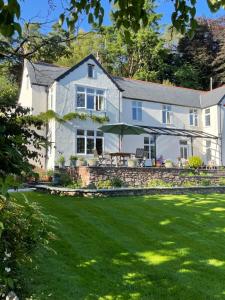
116,182
64,179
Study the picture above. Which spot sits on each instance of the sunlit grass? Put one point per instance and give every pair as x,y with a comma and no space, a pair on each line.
152,247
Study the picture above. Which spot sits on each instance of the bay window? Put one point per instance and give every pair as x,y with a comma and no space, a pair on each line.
88,141
90,98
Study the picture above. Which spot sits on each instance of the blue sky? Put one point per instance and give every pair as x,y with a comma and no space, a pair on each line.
38,10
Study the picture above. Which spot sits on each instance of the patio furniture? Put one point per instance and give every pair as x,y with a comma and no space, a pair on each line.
120,158
141,155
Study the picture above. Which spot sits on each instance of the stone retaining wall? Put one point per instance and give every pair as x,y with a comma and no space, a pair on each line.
135,177
129,191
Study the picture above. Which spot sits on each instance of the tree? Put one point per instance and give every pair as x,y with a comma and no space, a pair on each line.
19,140
219,65
199,52
84,44
8,91
127,14
187,76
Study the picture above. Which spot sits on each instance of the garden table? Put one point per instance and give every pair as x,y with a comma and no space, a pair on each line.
121,157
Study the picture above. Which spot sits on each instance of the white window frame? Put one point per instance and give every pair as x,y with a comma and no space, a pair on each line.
86,137
167,112
96,95
208,147
183,146
207,115
193,117
137,105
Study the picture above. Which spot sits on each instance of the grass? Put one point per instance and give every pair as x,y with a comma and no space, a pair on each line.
153,247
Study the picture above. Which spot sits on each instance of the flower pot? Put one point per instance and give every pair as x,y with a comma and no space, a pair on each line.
168,164
92,163
73,163
81,163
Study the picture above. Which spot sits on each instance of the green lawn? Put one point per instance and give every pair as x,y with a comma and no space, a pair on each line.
153,247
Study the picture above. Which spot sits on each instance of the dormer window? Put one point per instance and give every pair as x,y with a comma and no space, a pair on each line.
91,71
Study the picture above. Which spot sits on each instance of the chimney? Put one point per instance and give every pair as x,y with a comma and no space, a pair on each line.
211,84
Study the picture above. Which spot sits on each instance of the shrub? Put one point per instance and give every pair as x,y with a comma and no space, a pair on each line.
64,179
22,230
73,157
75,184
104,184
116,182
205,182
195,162
188,184
221,181
159,183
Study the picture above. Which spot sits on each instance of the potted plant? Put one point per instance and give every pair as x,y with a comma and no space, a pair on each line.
50,175
168,163
81,162
73,160
61,161
92,162
132,163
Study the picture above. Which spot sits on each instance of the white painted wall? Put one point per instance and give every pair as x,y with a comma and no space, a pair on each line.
35,98
167,146
65,102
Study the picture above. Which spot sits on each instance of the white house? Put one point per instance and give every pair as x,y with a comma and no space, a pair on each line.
179,122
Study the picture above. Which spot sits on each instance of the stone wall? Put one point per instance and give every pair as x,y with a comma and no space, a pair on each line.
129,191
135,177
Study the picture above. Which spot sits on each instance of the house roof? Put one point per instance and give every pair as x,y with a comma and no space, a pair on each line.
143,90
45,74
212,97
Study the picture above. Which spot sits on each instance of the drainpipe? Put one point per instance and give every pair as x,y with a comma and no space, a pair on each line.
47,128
192,149
220,135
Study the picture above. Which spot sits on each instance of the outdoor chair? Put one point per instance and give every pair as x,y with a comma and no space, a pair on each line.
140,155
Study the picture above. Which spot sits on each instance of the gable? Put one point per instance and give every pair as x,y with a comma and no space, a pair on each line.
95,62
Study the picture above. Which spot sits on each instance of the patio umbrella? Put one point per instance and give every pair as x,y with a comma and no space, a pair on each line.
122,129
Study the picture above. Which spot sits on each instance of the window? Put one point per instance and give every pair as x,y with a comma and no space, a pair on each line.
193,117
90,98
207,117
167,114
80,141
150,147
80,97
90,71
208,150
183,149
50,104
88,141
137,110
